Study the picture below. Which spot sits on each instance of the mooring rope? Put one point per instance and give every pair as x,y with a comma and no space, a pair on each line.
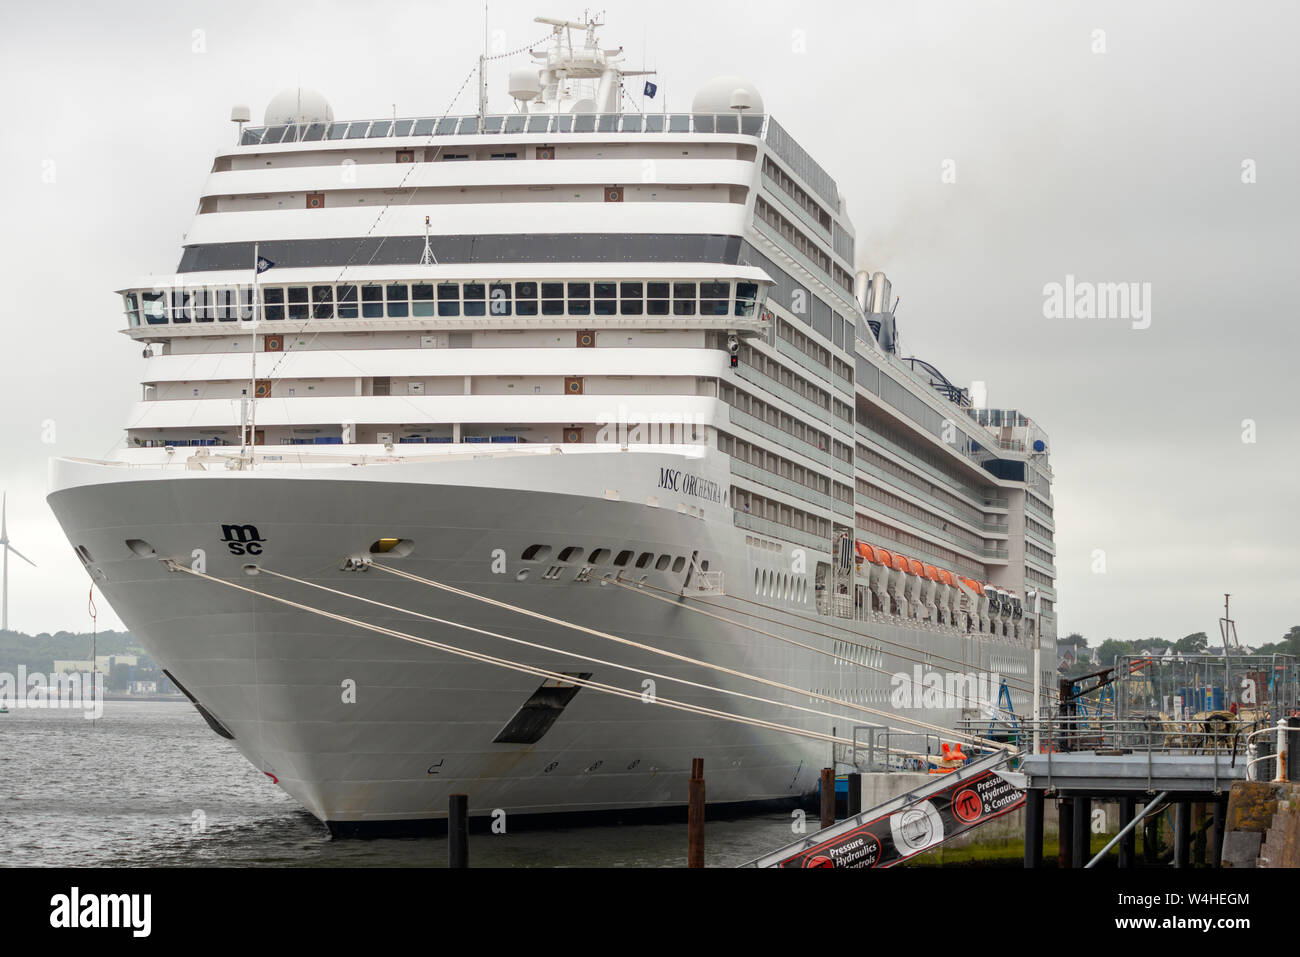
867,709
559,651
514,665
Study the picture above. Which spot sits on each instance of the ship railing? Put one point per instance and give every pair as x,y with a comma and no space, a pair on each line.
1208,733
878,748
708,583
743,124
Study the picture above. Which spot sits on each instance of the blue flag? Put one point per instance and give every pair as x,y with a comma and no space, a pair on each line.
651,89
263,264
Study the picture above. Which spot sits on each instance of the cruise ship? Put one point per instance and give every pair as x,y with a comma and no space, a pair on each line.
531,454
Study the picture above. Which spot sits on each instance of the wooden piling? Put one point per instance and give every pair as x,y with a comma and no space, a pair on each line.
828,797
458,830
1182,833
855,794
695,815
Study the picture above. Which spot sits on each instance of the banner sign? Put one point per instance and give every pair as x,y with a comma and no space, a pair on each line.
891,838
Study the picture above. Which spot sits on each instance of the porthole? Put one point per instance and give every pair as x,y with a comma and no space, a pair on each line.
757,580
571,554
643,560
663,563
599,556
679,563
623,557
536,553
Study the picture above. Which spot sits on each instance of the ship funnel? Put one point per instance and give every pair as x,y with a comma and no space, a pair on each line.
862,289
880,292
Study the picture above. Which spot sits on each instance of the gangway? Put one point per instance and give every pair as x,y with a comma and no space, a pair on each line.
902,827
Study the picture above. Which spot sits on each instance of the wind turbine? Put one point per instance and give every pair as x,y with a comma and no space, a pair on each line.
7,548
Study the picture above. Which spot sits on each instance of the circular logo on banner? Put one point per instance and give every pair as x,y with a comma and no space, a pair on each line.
821,860
916,828
968,806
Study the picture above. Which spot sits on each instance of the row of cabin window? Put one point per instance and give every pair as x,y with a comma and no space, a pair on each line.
599,556
403,300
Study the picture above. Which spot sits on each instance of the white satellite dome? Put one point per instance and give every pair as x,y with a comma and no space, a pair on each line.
723,94
298,105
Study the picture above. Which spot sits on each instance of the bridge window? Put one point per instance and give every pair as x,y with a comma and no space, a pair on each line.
552,299
579,298
273,303
656,299
372,302
180,306
630,298
448,299
322,301
230,304
475,296
746,297
422,299
202,300
525,298
399,306
155,307
297,302
606,303
684,298
499,293
714,298
347,295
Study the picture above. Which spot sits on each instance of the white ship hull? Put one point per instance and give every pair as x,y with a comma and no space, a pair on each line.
424,720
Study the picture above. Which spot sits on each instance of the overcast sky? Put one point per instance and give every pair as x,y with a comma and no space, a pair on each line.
1100,140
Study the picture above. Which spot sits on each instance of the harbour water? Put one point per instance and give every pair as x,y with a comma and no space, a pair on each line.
149,784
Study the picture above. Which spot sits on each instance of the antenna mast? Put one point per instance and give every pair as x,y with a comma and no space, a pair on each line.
428,259
482,75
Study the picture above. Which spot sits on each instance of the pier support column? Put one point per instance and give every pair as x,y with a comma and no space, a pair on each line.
1182,834
828,796
1064,831
1128,843
458,830
1216,837
1082,843
695,815
1034,828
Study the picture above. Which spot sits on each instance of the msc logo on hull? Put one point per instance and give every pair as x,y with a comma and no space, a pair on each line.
242,539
